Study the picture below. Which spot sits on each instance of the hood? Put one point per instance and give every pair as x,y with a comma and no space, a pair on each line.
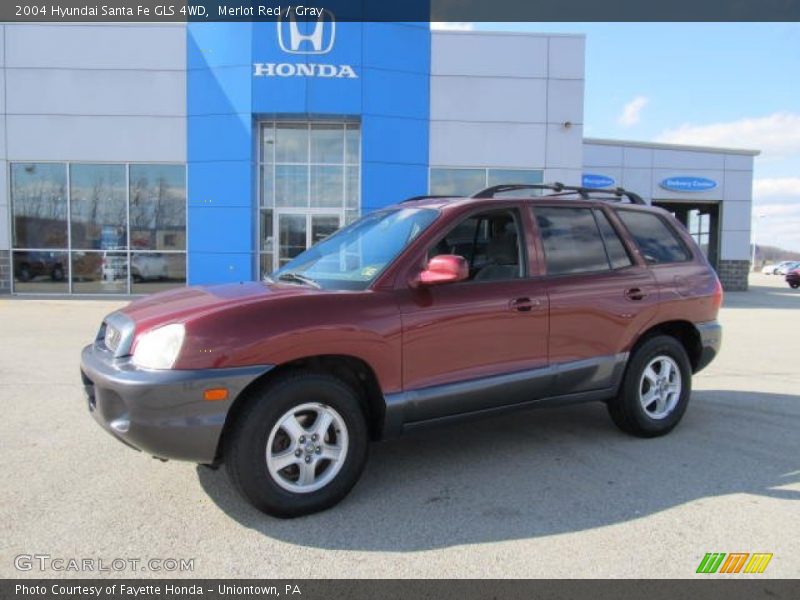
183,304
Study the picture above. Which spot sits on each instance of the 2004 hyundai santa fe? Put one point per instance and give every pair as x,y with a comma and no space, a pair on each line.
419,313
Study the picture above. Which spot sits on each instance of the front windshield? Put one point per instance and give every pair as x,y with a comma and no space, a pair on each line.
353,257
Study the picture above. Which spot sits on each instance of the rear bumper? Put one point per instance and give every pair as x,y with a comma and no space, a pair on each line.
710,342
162,413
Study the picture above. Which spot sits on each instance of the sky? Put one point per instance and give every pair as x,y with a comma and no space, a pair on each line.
734,85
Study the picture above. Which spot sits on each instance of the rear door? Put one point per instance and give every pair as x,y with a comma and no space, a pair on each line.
685,280
600,296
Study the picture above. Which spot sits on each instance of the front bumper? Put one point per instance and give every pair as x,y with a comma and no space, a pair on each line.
710,343
162,413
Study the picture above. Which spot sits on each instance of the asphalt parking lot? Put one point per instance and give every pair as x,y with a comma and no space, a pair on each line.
544,493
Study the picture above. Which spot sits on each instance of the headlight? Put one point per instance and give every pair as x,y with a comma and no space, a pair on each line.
159,348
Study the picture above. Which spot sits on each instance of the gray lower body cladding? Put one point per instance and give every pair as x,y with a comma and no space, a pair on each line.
578,381
162,413
710,343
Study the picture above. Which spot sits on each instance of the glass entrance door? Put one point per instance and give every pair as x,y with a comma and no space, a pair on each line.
322,226
298,231
292,235
309,185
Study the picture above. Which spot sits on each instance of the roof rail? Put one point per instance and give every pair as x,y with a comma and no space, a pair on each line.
559,188
424,197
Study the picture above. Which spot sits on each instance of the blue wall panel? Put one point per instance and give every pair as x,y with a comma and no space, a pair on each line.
386,183
230,181
396,93
219,147
227,267
222,92
219,228
394,139
225,101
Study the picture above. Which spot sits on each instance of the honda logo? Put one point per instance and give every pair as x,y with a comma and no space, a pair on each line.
306,37
318,41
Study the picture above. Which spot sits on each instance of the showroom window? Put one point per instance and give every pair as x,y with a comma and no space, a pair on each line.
309,185
98,228
464,182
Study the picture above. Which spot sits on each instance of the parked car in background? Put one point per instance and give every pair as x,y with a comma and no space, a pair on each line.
33,264
417,314
784,268
146,267
793,278
769,269
777,266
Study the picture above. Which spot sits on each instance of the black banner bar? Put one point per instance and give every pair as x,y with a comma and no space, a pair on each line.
399,10
340,589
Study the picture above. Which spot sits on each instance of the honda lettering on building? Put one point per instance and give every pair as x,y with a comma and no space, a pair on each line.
316,38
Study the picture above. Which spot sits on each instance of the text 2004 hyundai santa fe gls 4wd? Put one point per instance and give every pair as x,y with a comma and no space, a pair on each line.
425,311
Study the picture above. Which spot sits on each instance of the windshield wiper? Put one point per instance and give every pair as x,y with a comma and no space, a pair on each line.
297,278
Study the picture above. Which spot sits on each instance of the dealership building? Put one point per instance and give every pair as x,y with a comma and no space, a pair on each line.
139,157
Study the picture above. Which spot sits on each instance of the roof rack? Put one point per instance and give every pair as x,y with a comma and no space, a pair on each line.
560,189
424,197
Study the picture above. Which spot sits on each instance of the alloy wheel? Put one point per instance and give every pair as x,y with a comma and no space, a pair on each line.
660,387
307,448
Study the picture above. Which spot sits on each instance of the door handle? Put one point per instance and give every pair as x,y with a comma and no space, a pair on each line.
523,304
635,294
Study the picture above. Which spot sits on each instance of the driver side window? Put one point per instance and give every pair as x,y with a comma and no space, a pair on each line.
491,243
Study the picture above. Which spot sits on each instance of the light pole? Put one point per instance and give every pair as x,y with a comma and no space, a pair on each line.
755,223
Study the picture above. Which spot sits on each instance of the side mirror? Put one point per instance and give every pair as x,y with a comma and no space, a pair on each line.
445,268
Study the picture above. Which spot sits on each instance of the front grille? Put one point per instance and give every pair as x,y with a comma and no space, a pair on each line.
116,334
112,337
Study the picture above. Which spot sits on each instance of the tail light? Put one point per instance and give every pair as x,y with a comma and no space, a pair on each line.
717,296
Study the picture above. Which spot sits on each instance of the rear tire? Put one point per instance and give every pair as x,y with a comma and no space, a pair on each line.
655,389
794,286
270,455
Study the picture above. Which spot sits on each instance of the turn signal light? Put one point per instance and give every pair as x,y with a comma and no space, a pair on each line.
215,394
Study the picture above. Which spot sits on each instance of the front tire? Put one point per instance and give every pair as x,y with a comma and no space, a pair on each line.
794,286
298,446
655,389
24,273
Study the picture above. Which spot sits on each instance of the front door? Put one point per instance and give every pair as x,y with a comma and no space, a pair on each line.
469,333
298,231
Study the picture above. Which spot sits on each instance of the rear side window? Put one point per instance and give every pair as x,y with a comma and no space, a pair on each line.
572,240
657,242
617,254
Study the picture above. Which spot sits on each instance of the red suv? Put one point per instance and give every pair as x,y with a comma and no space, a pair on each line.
417,314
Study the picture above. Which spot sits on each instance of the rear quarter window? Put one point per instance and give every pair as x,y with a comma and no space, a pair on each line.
657,241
